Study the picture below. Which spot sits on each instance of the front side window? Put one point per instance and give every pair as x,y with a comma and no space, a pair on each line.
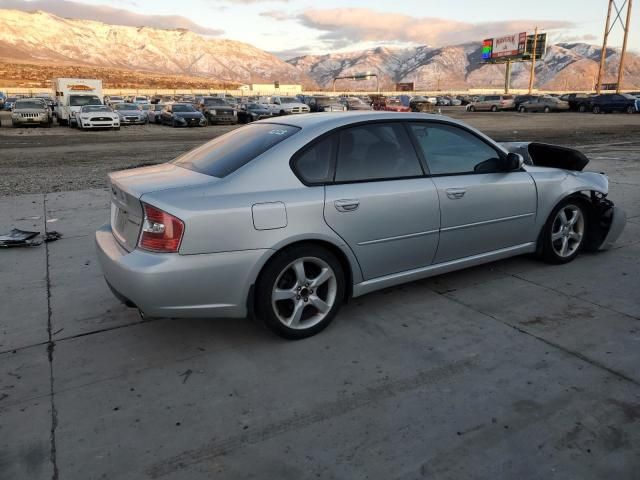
451,150
379,151
227,153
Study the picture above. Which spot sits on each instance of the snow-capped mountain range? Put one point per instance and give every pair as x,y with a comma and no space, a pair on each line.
565,66
41,38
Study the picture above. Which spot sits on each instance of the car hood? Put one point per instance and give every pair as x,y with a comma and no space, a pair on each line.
218,107
129,112
30,110
260,111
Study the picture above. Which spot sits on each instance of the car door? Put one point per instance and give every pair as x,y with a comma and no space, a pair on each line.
482,208
381,203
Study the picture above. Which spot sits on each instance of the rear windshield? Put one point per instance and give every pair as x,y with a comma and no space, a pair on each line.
229,152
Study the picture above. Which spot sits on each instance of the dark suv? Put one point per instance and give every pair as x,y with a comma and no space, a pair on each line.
614,102
216,110
578,102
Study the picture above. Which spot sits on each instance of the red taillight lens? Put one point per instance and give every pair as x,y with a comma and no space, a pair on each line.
161,232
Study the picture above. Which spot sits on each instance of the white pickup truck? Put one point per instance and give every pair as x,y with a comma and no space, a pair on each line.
283,105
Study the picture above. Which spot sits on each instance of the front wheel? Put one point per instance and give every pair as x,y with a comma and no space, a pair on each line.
547,109
631,109
563,235
582,108
300,291
522,109
596,109
472,108
494,108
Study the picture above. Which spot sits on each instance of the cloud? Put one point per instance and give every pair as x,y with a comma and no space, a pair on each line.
278,15
110,15
342,25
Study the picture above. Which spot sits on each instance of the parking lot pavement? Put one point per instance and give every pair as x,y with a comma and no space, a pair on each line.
515,369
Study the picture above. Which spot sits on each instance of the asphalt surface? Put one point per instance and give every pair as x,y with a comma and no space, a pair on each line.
515,369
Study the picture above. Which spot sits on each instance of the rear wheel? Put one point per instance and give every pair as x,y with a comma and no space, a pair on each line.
630,109
596,109
522,109
546,110
494,108
472,108
564,234
582,108
300,291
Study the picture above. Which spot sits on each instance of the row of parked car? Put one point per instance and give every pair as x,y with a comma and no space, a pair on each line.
577,102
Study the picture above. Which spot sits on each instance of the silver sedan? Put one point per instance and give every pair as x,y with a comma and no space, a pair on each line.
290,217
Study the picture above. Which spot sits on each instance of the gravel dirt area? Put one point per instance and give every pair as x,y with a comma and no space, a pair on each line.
38,160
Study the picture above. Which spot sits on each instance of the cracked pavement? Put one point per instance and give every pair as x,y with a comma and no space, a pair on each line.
514,369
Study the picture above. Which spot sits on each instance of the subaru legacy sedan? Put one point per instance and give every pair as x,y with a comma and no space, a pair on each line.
287,218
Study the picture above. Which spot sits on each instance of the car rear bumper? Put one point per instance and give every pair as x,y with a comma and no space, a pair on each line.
173,285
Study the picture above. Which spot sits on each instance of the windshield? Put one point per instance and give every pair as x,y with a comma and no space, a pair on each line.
146,106
141,99
229,152
82,100
254,106
214,101
115,98
126,106
96,108
289,100
628,96
29,104
183,108
327,101
11,99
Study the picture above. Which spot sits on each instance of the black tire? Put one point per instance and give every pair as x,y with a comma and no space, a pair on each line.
582,108
276,270
596,109
630,109
546,110
523,109
494,108
472,108
546,250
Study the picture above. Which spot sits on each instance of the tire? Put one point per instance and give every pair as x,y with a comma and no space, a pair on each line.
596,109
173,123
494,108
630,109
522,109
563,236
546,110
295,315
582,108
472,108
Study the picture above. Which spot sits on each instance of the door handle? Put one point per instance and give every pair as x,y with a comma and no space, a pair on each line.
455,193
347,205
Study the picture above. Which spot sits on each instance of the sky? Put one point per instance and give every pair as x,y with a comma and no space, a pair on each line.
290,28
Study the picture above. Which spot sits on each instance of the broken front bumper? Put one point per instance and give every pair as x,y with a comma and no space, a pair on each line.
616,219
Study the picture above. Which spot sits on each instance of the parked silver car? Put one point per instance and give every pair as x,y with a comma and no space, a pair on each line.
492,103
544,104
130,114
289,217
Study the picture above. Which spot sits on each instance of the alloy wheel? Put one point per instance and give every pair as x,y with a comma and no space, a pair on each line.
567,231
304,292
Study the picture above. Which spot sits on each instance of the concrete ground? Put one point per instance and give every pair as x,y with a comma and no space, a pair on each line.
515,369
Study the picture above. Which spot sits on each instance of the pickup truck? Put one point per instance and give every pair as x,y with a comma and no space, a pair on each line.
284,105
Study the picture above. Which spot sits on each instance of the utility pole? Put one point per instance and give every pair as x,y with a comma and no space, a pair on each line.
603,53
507,77
624,46
532,75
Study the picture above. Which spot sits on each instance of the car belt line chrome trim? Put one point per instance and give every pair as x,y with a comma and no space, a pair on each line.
487,222
399,237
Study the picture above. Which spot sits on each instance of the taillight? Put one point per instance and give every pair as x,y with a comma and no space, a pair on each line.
161,232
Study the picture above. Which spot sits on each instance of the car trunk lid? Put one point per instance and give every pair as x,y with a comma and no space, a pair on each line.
127,188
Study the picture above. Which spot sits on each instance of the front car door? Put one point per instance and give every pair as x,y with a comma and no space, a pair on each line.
381,203
483,209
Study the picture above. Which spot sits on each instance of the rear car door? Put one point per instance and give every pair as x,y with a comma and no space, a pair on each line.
381,203
483,209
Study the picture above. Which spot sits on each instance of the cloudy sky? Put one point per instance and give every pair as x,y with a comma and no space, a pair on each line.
292,27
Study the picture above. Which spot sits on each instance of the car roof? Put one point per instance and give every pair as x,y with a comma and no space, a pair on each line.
330,120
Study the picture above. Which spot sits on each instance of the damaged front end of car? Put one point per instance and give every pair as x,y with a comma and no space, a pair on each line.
558,173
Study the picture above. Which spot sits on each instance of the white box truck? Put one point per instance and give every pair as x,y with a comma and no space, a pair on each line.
72,94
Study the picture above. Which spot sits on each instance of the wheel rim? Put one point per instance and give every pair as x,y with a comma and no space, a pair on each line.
304,293
567,231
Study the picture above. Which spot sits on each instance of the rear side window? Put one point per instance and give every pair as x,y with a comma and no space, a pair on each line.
377,151
450,150
491,98
313,165
229,152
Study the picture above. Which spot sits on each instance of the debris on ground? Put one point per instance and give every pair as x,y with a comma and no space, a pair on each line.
24,238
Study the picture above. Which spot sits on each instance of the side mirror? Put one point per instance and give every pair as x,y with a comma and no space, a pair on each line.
514,161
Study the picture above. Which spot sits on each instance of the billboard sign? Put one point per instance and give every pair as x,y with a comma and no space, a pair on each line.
509,46
404,87
487,48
